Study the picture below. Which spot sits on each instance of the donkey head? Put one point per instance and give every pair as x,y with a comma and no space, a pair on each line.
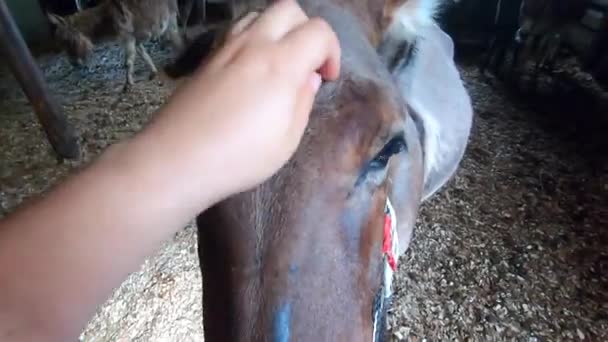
77,46
308,254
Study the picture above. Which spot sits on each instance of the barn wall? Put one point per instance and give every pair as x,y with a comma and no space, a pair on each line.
30,19
469,21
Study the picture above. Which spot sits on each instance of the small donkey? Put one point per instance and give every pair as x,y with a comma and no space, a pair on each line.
133,22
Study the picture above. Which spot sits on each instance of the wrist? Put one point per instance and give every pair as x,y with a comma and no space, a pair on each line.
170,165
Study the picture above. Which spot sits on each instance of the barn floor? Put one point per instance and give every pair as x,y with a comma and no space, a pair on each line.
515,248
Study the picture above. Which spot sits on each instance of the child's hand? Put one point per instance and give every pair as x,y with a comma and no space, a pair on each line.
242,116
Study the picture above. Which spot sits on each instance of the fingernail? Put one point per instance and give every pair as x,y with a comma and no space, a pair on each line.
315,81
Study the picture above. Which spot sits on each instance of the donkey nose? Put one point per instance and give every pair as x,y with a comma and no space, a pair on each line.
76,62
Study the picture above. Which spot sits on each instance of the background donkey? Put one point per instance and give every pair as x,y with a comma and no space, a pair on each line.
132,22
531,31
306,256
542,23
504,29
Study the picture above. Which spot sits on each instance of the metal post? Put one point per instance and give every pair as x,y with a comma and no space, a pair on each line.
26,71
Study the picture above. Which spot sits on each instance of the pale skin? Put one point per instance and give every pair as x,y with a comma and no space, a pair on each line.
62,255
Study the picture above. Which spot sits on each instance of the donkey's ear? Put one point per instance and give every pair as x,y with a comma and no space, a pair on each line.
421,58
55,20
205,45
402,19
193,56
438,103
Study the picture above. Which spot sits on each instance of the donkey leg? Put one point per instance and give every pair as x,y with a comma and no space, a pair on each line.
185,12
501,56
487,58
146,57
174,36
512,68
556,46
516,46
537,69
130,53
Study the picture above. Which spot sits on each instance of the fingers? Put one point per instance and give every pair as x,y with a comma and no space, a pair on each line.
243,23
306,98
317,47
303,45
278,19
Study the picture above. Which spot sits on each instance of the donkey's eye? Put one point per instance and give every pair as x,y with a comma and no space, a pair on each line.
378,163
394,146
374,172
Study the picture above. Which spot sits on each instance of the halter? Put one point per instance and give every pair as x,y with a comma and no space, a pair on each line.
390,245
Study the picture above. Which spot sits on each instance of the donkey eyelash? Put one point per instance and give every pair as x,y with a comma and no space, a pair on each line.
395,146
380,161
404,55
413,51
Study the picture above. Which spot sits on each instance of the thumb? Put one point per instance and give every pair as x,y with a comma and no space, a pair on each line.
304,102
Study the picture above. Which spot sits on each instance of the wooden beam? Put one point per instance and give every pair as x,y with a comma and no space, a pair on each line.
28,74
202,10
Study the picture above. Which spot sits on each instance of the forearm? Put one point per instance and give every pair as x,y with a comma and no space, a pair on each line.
63,255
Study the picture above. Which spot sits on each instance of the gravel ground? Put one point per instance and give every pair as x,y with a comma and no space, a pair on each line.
514,248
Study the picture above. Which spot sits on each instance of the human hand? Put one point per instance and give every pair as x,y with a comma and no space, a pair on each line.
242,115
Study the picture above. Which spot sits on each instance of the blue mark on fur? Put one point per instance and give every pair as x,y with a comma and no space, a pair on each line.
293,269
351,221
282,323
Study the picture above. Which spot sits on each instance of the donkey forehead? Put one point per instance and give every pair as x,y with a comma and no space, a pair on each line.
356,112
365,86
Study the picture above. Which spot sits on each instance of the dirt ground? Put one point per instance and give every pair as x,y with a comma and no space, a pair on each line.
514,248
